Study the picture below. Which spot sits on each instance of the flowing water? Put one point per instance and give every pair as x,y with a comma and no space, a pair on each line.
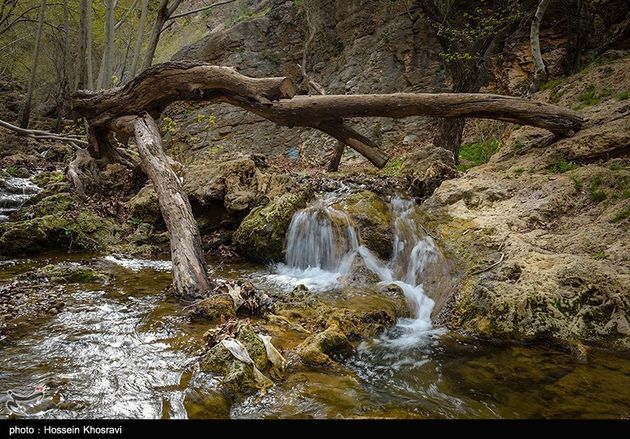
14,192
124,349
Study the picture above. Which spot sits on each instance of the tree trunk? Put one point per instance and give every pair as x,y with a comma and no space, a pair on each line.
190,276
81,73
578,26
449,135
88,46
158,25
540,71
107,66
139,40
26,110
333,166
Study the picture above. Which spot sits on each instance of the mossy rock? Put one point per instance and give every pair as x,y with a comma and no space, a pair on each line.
65,273
144,206
373,220
43,179
261,235
216,308
318,349
86,231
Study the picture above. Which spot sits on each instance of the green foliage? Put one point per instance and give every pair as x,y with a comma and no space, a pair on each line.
562,166
551,84
621,215
519,171
298,3
518,145
623,95
591,96
169,126
393,167
577,181
475,154
600,255
596,194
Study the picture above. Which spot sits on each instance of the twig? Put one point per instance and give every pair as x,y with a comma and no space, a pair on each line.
490,267
42,135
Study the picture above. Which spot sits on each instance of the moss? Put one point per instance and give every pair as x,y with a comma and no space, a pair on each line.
261,235
216,308
318,349
561,166
43,179
393,167
66,272
144,206
373,220
477,153
86,231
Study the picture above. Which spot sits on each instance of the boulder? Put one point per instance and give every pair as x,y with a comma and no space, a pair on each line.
426,168
261,235
372,219
318,349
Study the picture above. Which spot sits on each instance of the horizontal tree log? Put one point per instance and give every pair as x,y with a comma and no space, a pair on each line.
157,87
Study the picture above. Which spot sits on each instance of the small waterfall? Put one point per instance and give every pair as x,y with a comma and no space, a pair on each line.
14,192
322,246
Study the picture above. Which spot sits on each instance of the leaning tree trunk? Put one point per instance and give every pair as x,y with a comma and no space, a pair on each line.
154,39
190,277
540,72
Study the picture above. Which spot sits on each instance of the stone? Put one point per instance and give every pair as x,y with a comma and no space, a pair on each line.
215,308
261,235
319,349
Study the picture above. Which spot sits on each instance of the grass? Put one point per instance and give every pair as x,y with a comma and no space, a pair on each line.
600,255
621,215
623,95
475,154
577,181
591,96
596,194
562,166
393,166
552,83
519,171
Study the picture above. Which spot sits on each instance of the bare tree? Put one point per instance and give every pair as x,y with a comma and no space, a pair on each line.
165,13
107,65
540,71
26,109
140,38
470,34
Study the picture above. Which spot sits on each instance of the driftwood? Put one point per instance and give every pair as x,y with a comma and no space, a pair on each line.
43,135
131,110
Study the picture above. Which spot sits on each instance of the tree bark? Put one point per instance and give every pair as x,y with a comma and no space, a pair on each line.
449,137
138,46
158,25
26,110
107,66
88,46
540,71
190,276
335,161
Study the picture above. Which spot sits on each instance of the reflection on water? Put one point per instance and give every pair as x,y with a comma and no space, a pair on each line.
124,350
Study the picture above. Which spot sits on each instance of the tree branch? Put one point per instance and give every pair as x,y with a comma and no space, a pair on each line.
194,11
42,135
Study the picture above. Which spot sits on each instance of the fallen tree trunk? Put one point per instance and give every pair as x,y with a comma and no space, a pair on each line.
190,277
131,110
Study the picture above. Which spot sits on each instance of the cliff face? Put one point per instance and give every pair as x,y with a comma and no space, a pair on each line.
357,46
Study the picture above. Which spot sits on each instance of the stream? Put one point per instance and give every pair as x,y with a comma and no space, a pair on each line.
124,349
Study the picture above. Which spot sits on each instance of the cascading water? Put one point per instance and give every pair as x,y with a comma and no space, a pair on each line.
14,192
322,246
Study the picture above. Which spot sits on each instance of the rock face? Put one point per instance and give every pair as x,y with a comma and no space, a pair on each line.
221,192
261,235
356,44
543,228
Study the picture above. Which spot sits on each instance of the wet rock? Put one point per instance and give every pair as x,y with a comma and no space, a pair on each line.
248,300
84,230
318,349
65,273
261,235
373,221
215,308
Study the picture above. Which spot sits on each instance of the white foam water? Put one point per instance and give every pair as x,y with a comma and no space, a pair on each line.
322,246
134,264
